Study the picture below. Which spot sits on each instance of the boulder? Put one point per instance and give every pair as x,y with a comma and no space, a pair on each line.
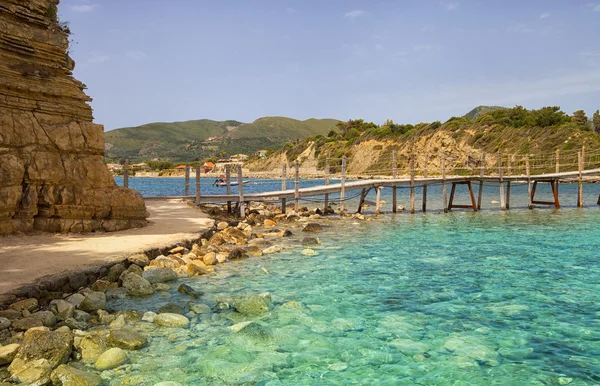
256,332
210,258
135,269
127,338
8,353
171,320
193,270
141,259
309,252
76,299
93,302
222,225
165,262
78,280
273,249
91,347
310,241
312,227
52,346
221,258
4,323
10,314
137,285
69,376
62,308
26,323
176,250
149,316
252,305
34,372
187,290
199,308
237,254
269,223
159,275
254,251
101,285
171,308
217,239
234,236
46,317
114,272
111,359
26,304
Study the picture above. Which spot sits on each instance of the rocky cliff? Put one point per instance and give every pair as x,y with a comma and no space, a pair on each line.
52,174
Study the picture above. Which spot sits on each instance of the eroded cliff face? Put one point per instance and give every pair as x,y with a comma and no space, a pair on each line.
52,174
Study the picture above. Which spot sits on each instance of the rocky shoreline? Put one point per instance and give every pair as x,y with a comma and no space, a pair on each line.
62,332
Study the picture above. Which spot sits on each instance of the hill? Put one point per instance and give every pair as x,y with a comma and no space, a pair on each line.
198,139
515,132
481,110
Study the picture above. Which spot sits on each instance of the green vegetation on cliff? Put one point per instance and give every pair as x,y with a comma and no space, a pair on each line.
199,139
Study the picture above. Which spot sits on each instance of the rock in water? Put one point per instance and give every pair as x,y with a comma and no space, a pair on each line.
93,302
256,332
171,320
137,285
187,290
312,227
310,241
237,254
159,275
52,346
91,347
111,358
309,252
127,338
251,305
53,169
69,376
273,249
171,308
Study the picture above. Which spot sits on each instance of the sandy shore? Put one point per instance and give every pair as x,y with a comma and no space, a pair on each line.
27,259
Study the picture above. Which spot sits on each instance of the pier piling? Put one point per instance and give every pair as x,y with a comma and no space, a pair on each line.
481,174
198,184
228,185
394,175
296,185
444,192
241,192
187,181
283,186
326,203
412,184
343,184
502,203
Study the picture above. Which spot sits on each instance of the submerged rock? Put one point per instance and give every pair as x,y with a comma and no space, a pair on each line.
312,227
69,376
171,320
187,290
251,305
309,252
256,331
111,358
310,241
171,308
127,338
472,348
149,316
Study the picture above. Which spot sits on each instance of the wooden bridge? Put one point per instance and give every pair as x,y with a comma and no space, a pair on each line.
365,186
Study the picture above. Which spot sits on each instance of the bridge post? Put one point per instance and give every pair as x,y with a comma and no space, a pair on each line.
481,174
508,172
198,184
343,183
186,191
297,186
394,175
412,183
241,192
425,185
378,200
528,172
502,203
557,170
580,180
326,203
126,174
444,191
283,186
228,186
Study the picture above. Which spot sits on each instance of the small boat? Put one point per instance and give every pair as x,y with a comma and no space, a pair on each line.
232,183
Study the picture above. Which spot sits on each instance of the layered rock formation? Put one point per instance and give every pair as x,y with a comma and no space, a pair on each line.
52,174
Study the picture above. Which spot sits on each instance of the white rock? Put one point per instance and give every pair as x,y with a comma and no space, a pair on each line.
273,249
171,320
149,316
111,358
309,252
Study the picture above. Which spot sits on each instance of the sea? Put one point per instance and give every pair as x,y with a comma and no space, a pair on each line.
460,298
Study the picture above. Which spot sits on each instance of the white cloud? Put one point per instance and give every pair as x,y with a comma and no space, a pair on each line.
354,14
136,55
98,57
83,8
452,6
545,15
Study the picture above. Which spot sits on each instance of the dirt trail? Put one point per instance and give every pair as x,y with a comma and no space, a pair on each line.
25,259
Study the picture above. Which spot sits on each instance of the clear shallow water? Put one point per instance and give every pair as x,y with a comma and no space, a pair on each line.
465,298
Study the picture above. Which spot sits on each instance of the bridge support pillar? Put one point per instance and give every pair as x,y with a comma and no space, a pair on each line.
473,203
554,186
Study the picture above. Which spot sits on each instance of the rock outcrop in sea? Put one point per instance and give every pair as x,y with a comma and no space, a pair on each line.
52,174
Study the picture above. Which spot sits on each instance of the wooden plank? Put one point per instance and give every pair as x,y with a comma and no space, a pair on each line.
412,184
187,181
241,192
326,202
394,175
343,184
502,203
363,194
228,185
527,171
198,184
283,185
452,196
424,203
297,186
444,192
481,174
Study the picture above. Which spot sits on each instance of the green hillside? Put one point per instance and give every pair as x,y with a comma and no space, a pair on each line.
481,110
195,140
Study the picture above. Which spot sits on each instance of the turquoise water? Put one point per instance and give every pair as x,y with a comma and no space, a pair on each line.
488,298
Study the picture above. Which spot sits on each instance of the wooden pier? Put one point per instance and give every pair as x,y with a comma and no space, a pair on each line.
503,175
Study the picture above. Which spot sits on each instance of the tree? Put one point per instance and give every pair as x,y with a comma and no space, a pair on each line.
580,118
596,121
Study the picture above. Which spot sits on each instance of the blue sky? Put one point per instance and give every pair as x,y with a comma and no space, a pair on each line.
407,60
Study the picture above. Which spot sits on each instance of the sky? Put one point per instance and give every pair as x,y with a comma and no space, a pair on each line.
406,60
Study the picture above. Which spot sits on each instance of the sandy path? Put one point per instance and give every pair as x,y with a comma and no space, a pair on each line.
24,259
